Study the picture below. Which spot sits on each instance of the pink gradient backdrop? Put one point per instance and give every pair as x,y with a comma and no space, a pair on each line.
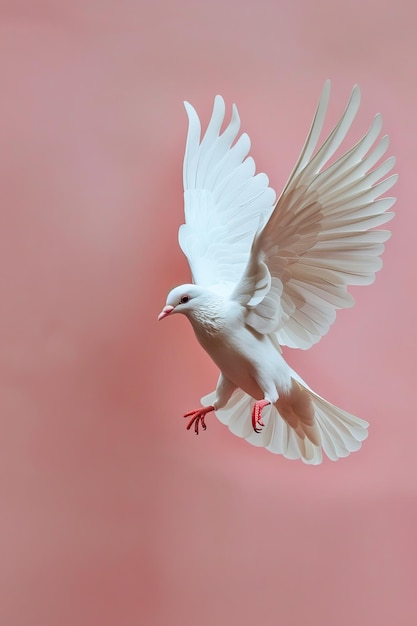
110,512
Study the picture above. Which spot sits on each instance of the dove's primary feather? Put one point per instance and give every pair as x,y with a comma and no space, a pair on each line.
223,200
273,273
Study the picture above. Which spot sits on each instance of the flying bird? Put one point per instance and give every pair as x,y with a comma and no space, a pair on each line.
269,273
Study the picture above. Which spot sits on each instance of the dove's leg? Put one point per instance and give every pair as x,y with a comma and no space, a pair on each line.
224,390
270,397
257,414
198,417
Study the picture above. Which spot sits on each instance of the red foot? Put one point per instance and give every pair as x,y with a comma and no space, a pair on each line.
197,416
257,414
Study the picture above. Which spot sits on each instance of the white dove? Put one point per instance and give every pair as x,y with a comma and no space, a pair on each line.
272,273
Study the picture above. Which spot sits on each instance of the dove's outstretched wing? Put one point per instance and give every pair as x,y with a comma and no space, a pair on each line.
321,236
224,200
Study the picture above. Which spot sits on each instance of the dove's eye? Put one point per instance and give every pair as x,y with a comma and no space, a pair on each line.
184,299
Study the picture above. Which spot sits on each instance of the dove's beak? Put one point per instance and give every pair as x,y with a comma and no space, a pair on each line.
165,311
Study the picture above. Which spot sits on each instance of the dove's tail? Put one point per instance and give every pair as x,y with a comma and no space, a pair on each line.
289,432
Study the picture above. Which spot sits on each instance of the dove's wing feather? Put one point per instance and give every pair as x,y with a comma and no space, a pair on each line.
224,199
320,238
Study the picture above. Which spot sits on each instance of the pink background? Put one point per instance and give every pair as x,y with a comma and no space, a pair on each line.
110,512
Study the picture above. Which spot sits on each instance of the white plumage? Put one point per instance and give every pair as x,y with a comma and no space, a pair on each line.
270,273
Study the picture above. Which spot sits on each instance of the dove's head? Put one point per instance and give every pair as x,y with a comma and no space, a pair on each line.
184,299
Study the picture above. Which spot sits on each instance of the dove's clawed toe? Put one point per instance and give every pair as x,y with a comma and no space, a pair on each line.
198,417
257,414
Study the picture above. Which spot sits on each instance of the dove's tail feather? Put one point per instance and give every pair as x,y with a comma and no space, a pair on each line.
335,431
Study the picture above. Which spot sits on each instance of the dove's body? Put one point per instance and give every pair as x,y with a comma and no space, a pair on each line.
248,360
271,273
253,363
